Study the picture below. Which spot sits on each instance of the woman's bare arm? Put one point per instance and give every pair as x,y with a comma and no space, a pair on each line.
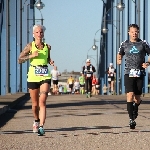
24,55
49,48
49,60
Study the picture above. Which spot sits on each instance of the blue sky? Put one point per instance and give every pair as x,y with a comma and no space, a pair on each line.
70,29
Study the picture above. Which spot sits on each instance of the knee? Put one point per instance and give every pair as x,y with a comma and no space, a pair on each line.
130,96
137,99
35,104
44,93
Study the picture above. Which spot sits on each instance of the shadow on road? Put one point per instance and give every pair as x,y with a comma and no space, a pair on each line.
9,114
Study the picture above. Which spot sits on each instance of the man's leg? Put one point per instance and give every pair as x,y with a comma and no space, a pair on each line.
130,96
89,88
90,85
129,86
86,87
137,102
137,97
109,86
53,86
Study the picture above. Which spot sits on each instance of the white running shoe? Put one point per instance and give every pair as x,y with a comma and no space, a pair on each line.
49,93
35,126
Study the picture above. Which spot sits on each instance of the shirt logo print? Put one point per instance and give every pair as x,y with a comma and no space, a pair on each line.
134,50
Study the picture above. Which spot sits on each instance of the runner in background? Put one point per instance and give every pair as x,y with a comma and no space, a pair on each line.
88,71
97,87
54,74
111,71
82,83
70,82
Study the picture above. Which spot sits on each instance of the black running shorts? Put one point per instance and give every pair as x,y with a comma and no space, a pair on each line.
133,84
36,85
82,85
111,79
55,82
71,86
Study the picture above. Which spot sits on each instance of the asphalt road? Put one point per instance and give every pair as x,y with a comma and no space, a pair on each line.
75,122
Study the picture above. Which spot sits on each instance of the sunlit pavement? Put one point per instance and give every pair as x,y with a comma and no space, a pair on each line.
75,122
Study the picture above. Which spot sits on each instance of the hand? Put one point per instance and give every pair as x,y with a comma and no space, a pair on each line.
119,62
51,62
145,65
119,58
35,54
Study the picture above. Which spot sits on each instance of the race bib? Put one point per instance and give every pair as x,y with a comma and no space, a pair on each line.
135,73
97,86
76,87
111,70
88,75
39,71
109,79
111,74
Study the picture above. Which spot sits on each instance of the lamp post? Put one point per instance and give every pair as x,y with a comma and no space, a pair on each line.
120,6
88,52
88,56
95,47
138,11
39,5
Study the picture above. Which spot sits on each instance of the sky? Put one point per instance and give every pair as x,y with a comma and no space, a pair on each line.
70,30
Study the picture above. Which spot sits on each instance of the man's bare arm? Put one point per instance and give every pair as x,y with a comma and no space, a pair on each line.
119,59
145,65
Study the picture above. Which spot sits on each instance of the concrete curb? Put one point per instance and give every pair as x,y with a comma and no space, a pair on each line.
5,107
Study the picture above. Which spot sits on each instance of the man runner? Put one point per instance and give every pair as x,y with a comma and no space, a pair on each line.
88,71
134,51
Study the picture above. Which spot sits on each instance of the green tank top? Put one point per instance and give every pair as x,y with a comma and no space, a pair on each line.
81,80
41,59
65,89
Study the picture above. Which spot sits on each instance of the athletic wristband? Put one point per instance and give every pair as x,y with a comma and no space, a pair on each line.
148,63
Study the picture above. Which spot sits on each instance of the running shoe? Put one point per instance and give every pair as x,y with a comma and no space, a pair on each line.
41,131
132,124
49,93
35,127
89,94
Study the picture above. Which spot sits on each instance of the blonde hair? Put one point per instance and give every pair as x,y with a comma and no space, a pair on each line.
38,25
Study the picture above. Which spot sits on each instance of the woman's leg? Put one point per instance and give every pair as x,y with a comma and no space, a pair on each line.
42,102
34,94
112,86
